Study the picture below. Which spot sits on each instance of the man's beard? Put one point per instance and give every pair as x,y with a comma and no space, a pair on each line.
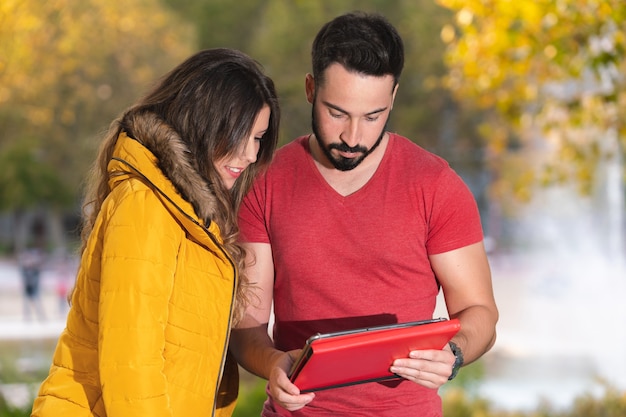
339,162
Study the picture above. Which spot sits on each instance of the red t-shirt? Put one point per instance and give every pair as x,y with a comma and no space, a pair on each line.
359,260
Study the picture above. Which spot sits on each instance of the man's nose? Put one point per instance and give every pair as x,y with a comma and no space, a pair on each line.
351,135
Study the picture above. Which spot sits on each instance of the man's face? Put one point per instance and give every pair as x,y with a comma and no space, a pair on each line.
350,113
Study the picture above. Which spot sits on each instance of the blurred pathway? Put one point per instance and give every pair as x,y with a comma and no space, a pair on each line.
13,324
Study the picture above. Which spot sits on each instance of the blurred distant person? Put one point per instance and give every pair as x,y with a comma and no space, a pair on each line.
66,270
161,280
31,262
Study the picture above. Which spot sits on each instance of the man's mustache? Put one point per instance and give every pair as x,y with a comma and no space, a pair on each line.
342,147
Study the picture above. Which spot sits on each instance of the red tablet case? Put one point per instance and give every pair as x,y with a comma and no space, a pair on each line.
364,355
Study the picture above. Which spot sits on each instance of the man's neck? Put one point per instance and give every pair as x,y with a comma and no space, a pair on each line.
347,182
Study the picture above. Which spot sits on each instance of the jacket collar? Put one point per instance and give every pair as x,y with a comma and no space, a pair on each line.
158,154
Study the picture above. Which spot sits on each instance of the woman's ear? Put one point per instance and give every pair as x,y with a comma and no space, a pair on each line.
309,87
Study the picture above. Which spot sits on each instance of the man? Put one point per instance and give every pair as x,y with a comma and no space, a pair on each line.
353,226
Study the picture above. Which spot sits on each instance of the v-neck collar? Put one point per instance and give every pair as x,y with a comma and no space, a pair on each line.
313,165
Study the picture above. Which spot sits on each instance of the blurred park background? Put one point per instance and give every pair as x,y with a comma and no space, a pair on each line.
526,99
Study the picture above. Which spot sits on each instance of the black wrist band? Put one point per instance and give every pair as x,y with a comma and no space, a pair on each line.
458,361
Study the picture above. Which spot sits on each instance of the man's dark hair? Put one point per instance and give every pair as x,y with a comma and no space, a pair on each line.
360,42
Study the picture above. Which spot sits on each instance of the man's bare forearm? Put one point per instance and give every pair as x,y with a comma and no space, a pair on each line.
477,333
254,350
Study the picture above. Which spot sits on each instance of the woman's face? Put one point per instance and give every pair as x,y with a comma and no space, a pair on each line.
231,167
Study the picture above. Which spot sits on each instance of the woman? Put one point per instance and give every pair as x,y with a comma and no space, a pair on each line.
159,284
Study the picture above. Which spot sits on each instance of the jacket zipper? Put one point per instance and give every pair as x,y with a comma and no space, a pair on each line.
230,319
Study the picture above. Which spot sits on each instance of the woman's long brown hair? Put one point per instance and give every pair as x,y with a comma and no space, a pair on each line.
211,100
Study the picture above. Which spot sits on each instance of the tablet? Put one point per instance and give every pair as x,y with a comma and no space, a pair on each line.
357,356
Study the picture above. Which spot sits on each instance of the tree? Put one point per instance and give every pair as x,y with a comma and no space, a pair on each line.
26,181
66,70
549,75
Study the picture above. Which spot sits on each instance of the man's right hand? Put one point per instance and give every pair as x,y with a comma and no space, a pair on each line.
282,390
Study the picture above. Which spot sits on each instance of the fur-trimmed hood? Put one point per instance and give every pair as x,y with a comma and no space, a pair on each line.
174,160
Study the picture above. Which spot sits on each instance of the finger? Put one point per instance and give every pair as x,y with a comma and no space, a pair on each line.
428,374
293,402
423,370
433,355
426,379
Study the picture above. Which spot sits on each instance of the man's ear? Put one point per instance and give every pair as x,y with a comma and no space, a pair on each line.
309,88
393,95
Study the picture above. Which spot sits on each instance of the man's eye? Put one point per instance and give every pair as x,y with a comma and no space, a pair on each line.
371,119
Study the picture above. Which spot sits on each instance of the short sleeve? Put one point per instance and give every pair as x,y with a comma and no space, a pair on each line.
455,220
253,213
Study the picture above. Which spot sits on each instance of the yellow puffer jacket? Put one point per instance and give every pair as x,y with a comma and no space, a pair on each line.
148,330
